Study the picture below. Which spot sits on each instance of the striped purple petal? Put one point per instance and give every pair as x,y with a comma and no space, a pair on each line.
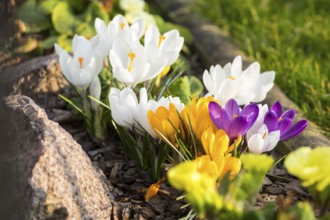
289,114
251,111
271,120
294,130
284,125
277,108
239,126
232,108
215,111
226,120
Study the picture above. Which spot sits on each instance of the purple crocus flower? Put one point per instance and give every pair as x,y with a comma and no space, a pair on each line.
276,120
232,119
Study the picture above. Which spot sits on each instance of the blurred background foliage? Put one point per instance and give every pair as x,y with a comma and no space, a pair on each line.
59,20
289,37
41,23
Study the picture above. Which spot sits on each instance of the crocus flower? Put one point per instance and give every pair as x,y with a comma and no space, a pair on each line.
166,46
123,106
165,122
129,62
230,82
132,5
258,137
106,34
276,120
146,105
140,15
216,146
263,141
232,119
200,187
311,166
81,68
196,114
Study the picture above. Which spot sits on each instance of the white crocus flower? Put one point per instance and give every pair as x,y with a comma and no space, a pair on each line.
145,105
166,46
106,34
132,5
262,141
142,15
259,121
95,92
258,137
123,106
81,68
230,82
129,62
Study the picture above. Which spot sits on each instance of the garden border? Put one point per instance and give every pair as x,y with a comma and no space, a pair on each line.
214,46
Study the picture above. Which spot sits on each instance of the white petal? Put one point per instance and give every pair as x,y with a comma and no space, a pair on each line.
138,27
100,27
95,91
271,140
151,33
208,83
236,68
143,95
155,69
227,90
256,143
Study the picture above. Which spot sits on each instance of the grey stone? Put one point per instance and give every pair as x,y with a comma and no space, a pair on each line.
39,78
44,173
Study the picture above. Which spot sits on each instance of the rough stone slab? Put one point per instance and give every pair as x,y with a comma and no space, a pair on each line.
215,47
44,173
39,78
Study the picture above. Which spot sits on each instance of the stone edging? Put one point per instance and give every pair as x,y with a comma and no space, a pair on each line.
214,47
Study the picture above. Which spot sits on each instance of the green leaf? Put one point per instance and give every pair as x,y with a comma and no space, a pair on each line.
48,43
86,30
95,10
196,86
77,5
27,46
65,42
186,87
72,104
47,6
64,21
34,19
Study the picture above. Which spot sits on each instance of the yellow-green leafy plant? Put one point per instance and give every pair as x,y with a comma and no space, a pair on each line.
312,167
56,21
227,201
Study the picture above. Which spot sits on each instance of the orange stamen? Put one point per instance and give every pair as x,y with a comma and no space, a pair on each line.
131,56
122,25
231,77
161,39
80,59
264,135
280,119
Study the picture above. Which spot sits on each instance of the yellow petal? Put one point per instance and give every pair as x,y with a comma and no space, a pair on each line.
152,191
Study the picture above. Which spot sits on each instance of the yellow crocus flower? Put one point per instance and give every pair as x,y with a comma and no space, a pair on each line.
165,122
216,146
197,112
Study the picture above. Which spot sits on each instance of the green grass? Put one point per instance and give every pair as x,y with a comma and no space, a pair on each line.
289,37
